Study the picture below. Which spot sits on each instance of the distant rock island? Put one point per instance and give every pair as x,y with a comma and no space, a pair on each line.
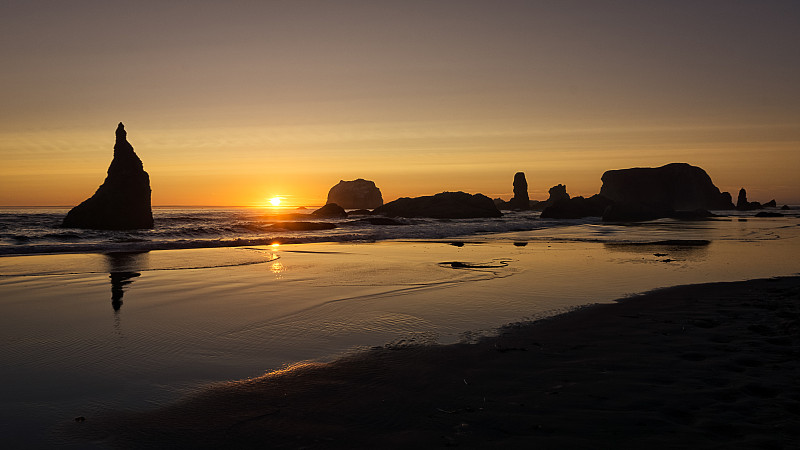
122,202
444,205
677,186
675,190
356,194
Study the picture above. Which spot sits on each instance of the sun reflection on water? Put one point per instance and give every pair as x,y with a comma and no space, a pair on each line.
277,268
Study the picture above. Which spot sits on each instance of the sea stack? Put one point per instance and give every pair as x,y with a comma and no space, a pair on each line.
122,202
743,205
741,201
521,201
676,186
356,194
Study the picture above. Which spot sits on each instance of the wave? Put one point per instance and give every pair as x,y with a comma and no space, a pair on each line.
220,228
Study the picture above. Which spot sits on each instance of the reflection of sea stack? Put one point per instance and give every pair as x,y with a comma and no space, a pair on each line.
521,201
118,282
122,202
356,194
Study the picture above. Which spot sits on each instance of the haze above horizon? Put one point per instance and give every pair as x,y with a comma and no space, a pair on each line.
239,102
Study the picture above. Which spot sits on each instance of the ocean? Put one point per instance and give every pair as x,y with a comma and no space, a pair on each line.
37,230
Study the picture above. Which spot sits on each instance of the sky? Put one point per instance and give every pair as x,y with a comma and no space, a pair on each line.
232,103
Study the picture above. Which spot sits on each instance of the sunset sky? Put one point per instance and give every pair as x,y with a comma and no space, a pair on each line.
232,103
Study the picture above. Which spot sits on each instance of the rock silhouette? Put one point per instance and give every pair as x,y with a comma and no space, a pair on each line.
676,190
122,202
557,193
520,201
444,205
576,207
330,210
356,194
741,201
676,186
743,205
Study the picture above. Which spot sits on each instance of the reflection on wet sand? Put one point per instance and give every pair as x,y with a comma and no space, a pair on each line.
123,267
118,282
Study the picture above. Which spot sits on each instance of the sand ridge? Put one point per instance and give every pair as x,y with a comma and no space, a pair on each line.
701,366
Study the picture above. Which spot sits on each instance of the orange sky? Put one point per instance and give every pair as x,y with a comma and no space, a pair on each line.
231,104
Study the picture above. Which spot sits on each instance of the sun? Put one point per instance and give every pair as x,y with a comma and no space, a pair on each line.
275,201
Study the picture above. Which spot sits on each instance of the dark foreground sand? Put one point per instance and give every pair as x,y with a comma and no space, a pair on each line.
705,366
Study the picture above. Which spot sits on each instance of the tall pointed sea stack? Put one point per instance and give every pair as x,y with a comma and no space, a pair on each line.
521,200
122,202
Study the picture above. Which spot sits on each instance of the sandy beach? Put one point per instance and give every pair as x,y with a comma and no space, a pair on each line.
700,366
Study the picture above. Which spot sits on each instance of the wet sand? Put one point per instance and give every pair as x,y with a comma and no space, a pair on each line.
701,366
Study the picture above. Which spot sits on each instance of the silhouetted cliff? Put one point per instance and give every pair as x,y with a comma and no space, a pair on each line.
122,202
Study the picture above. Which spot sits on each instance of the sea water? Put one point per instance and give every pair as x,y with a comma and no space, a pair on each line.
134,320
38,230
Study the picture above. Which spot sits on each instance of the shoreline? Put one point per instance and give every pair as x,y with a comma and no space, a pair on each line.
706,366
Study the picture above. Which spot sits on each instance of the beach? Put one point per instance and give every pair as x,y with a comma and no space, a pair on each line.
701,366
141,347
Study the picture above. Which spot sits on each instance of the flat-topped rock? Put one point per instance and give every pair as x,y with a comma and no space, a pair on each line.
676,186
122,202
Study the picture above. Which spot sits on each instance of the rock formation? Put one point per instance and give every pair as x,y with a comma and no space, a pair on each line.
122,202
331,210
557,194
520,201
444,205
743,205
676,186
576,207
356,194
741,201
675,190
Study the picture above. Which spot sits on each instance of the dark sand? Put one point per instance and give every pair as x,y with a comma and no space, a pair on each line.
704,366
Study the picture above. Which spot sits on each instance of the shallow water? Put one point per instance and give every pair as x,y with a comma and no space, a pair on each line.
84,333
